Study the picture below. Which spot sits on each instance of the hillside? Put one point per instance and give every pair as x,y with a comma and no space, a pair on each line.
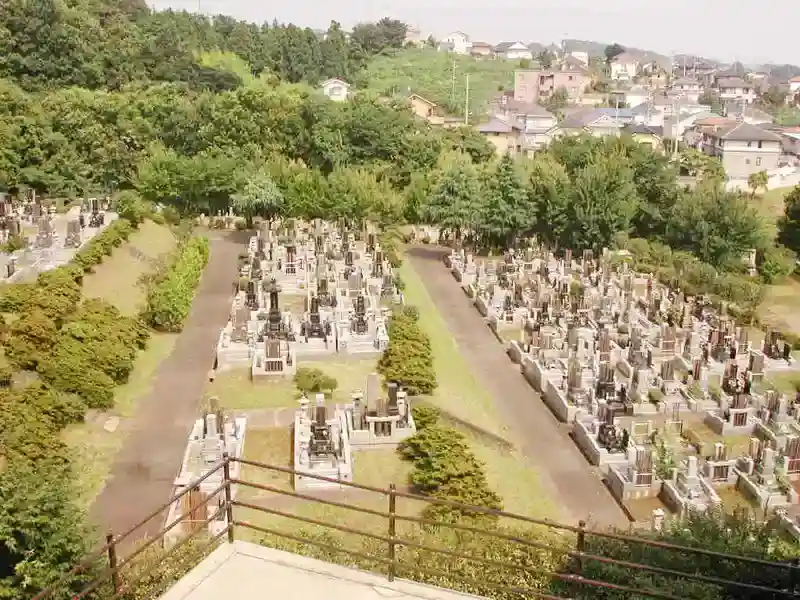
430,74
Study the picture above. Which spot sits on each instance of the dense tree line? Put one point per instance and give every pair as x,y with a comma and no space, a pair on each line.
102,44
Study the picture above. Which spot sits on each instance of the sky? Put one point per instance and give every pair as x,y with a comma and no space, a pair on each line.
751,32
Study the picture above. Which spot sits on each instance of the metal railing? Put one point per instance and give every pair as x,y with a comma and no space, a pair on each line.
577,556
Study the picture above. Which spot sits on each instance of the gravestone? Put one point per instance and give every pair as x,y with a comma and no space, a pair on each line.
73,236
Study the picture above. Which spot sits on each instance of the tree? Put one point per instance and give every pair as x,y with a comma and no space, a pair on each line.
259,197
603,202
308,381
757,181
612,51
774,97
455,194
507,211
550,191
545,58
789,223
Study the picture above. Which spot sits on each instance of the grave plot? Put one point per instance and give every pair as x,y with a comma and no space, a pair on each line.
44,240
613,352
306,294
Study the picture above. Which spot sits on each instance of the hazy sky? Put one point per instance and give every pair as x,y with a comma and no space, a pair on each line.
761,31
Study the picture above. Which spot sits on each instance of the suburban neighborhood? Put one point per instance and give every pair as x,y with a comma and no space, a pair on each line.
572,88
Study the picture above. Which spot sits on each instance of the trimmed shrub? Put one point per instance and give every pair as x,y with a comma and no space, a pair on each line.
170,297
408,359
132,207
103,244
425,416
31,338
309,380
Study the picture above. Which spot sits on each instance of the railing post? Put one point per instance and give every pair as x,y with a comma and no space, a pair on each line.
392,529
794,576
226,475
112,562
580,546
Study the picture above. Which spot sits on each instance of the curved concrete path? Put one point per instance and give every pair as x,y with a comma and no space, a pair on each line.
144,471
574,484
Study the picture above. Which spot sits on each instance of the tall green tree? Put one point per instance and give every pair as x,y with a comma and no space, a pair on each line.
507,211
259,197
455,195
789,223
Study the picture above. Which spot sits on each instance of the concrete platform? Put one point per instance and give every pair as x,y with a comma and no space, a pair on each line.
248,571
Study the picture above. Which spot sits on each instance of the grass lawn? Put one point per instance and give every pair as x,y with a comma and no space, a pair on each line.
116,280
458,392
781,304
94,448
704,439
236,391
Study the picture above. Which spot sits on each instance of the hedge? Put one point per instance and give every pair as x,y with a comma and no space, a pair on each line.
408,359
169,298
103,244
446,468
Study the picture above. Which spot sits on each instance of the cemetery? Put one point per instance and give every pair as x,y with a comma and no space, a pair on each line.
40,239
346,289
664,392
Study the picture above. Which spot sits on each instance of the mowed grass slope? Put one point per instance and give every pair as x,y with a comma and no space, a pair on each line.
429,73
118,280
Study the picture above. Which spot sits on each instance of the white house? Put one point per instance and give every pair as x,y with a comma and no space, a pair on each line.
513,50
458,42
794,86
336,89
581,56
688,88
735,88
624,66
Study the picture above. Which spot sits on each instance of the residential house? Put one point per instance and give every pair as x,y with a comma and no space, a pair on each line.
735,88
624,66
570,63
593,99
598,122
794,85
790,144
536,121
647,114
678,125
504,135
336,89
533,86
583,57
739,110
481,49
512,51
414,37
458,42
635,96
687,88
422,107
646,134
744,149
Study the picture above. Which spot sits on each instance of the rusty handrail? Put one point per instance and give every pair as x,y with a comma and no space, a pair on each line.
392,540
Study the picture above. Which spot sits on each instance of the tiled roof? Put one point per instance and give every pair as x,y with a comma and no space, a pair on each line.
496,125
744,132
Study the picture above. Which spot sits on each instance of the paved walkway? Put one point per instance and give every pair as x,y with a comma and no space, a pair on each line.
146,466
564,472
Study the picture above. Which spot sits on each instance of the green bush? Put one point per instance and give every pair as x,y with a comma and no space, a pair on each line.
171,215
103,244
408,359
445,468
169,298
309,380
425,416
31,338
132,207
776,263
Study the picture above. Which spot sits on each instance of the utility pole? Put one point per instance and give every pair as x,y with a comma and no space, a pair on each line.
453,82
684,65
466,102
675,130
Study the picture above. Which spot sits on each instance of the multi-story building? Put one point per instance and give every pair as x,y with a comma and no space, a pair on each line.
533,86
687,87
744,149
458,42
624,67
736,88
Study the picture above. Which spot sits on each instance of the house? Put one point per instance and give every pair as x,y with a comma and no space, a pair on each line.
414,37
744,149
598,122
458,42
421,107
735,88
790,145
794,86
481,49
593,99
512,51
624,66
647,114
582,57
739,110
686,87
645,134
635,96
570,63
504,135
532,86
535,120
336,89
